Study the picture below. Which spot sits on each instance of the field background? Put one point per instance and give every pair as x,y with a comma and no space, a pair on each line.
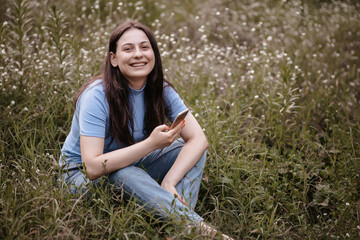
275,85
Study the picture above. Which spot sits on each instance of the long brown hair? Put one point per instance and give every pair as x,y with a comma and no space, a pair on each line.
117,90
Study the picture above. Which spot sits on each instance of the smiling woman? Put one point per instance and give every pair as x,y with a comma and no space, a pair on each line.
118,131
134,57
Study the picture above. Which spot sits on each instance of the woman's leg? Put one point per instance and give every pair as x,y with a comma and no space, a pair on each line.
159,162
135,182
189,186
77,180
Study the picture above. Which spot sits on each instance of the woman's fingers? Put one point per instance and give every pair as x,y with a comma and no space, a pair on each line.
162,136
182,200
176,130
171,189
163,128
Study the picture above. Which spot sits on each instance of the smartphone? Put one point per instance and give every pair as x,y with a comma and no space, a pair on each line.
181,116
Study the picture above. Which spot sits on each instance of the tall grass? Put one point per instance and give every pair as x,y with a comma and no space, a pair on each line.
275,85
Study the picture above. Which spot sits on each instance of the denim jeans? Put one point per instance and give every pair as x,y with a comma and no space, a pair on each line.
142,180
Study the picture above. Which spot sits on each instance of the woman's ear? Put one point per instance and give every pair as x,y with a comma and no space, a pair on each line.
113,59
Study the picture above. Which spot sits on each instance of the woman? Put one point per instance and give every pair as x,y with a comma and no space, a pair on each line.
118,130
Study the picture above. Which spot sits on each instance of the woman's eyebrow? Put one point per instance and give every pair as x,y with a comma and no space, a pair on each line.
134,44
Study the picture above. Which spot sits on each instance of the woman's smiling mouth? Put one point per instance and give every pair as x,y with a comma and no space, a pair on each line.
138,64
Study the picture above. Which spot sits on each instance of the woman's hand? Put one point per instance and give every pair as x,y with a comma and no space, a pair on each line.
162,137
171,189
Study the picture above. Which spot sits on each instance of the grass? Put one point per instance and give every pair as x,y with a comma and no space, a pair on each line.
275,85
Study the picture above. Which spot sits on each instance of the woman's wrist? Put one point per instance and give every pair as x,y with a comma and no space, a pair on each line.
167,182
150,144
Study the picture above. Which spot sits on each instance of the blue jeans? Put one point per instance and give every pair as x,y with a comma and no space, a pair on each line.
142,180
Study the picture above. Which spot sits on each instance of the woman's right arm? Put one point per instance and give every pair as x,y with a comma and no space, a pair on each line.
97,163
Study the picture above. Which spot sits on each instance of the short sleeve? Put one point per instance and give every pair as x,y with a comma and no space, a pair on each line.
174,104
92,113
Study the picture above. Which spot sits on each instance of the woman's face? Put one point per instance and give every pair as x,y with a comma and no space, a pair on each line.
134,57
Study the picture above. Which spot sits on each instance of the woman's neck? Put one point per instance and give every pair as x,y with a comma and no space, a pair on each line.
138,84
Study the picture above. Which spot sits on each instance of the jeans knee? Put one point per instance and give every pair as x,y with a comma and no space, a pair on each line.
123,175
202,160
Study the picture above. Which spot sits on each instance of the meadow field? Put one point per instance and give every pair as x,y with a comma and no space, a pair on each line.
275,84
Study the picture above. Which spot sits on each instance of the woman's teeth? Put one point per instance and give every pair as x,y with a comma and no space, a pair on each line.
138,64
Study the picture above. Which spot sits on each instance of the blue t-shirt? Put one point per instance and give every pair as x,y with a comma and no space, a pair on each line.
91,118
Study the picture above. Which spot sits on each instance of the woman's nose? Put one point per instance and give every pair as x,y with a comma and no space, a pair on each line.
138,52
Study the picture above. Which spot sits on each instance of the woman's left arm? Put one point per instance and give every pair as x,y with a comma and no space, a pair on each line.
195,145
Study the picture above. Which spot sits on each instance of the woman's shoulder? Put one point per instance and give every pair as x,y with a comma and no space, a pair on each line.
174,103
96,87
94,94
169,90
97,84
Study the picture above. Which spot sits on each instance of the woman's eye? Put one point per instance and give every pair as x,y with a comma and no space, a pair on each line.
126,47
